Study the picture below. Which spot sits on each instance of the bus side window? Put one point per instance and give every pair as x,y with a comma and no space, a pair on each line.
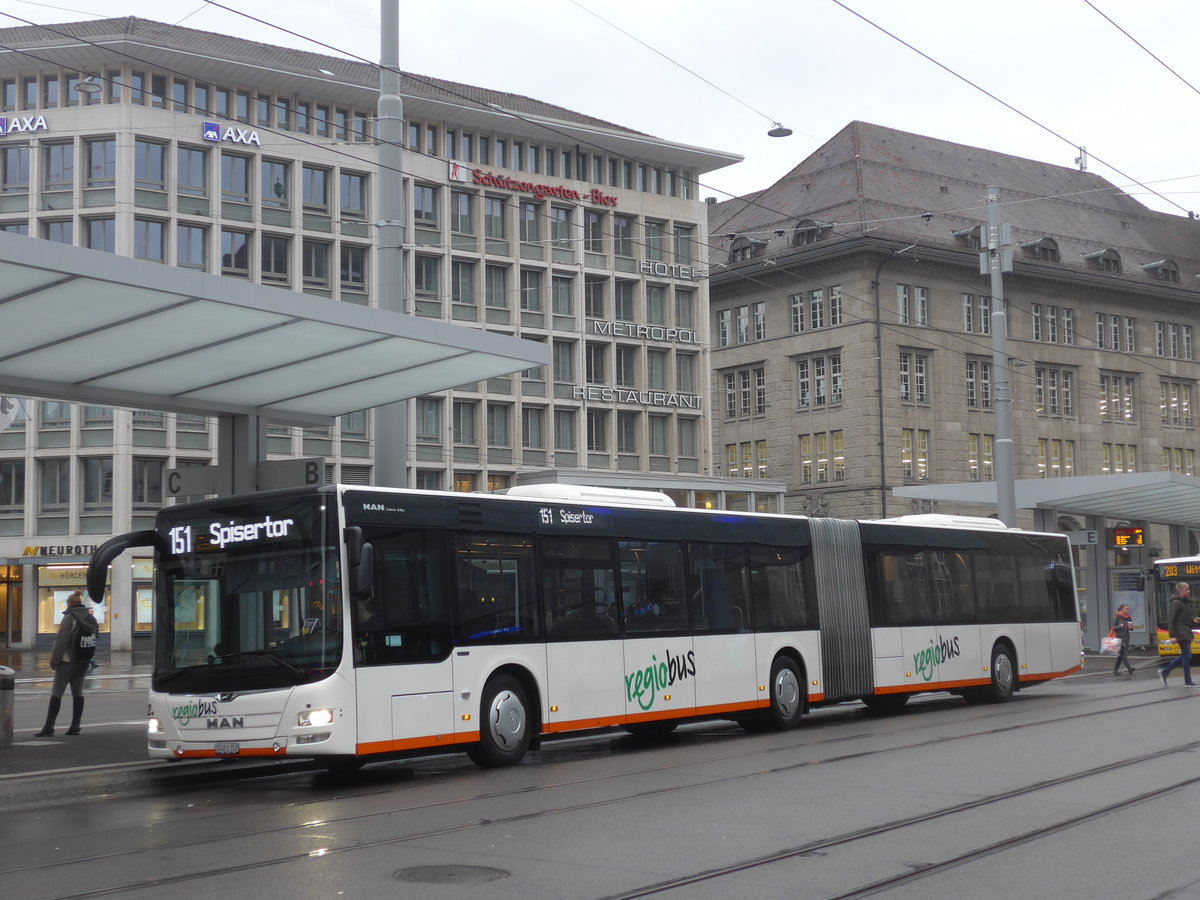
720,585
781,588
495,599
407,619
652,578
579,587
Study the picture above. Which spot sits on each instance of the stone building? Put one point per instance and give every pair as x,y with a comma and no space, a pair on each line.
852,329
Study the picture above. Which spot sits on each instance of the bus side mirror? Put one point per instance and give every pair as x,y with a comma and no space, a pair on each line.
102,557
360,558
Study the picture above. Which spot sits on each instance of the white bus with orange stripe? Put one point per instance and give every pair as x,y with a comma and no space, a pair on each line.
359,623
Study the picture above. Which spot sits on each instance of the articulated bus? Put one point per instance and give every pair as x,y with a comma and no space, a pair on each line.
1168,572
356,624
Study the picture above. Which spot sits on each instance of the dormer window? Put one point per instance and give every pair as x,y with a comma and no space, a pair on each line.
1045,249
970,237
744,248
1163,270
810,231
1108,260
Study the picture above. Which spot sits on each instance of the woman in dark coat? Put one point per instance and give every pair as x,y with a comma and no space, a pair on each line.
1122,623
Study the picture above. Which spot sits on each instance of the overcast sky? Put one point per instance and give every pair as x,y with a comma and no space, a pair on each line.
718,73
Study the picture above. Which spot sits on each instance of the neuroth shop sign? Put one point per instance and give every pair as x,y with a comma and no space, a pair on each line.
595,196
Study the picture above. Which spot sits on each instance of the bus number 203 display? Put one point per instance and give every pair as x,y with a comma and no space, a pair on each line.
357,624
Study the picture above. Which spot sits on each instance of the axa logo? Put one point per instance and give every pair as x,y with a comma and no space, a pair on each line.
22,124
214,132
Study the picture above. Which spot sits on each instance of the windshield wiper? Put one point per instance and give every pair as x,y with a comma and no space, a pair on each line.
268,654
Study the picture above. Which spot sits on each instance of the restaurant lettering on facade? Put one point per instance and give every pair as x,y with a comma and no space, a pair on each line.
637,398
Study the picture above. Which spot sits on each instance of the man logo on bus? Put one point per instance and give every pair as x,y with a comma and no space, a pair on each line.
927,661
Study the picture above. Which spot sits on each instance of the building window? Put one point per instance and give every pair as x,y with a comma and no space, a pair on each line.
235,178
97,484
623,304
315,188
593,232
685,372
1173,340
425,277
685,308
914,380
1045,324
564,429
497,425
495,287
55,479
58,161
1117,398
14,169
147,491
593,296
191,246
532,418
742,315
275,263
597,430
623,235
352,198
101,234
656,240
1116,459
191,175
625,374
562,287
150,165
235,253
149,240
656,369
101,162
1056,458
819,381
760,321
724,327
429,420
530,214
1175,459
822,457
354,268
627,432
462,283
912,304
595,356
531,290
460,213
12,486
464,422
1175,402
976,314
425,206
914,453
979,385
61,231
658,435
493,218
315,263
1053,391
563,354
686,433
980,459
560,226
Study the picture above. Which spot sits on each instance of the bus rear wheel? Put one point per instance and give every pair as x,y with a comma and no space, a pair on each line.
1003,684
504,725
787,694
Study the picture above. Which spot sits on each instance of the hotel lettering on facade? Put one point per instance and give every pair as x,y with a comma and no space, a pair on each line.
258,163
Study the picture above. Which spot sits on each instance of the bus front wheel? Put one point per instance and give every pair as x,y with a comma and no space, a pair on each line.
787,694
504,725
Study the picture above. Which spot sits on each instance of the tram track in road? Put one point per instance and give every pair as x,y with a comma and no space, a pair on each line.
245,834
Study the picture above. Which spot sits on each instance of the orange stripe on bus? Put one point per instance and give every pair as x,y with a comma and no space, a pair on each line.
423,742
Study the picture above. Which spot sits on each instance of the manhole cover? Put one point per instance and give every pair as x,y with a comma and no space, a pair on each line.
450,874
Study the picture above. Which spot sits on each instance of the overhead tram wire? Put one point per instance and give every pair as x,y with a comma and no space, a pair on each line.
1150,53
1005,104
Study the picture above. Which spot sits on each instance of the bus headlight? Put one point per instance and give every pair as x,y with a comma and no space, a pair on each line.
315,718
154,726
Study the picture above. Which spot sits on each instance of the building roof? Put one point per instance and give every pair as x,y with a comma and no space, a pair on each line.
873,181
84,46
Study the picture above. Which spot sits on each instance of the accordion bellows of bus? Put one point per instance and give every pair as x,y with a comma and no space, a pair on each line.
354,624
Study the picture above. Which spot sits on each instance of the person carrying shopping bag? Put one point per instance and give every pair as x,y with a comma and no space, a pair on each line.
1121,626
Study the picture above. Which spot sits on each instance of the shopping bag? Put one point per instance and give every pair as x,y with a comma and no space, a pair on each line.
1110,644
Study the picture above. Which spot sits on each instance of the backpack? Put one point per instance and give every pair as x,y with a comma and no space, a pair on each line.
83,636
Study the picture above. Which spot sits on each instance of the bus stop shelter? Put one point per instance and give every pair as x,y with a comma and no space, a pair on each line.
91,327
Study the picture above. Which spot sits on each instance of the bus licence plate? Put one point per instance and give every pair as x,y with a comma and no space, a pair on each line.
228,748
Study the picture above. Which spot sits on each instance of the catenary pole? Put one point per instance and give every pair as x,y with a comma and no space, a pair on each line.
999,260
391,421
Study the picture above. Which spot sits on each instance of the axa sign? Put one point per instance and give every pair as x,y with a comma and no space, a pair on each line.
22,124
214,132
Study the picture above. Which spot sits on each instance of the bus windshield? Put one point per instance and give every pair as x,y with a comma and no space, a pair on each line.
248,595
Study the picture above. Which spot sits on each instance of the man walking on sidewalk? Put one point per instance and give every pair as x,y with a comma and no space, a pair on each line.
1179,627
73,650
